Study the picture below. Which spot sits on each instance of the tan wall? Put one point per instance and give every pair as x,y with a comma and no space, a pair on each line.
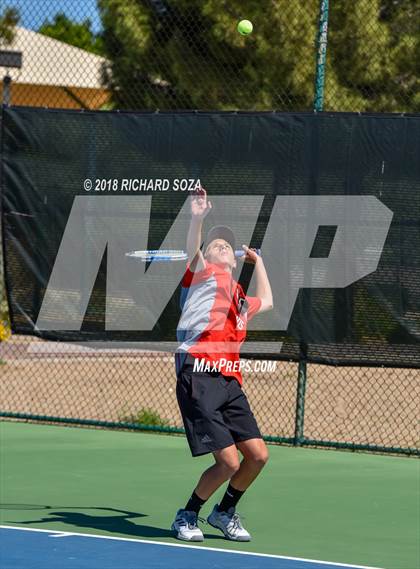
57,97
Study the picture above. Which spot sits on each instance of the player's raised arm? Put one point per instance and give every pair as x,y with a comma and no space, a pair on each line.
200,207
263,289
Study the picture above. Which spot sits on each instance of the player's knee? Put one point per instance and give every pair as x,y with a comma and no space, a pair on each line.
233,468
230,467
260,458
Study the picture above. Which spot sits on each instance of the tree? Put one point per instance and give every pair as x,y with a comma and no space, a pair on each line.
73,33
8,20
187,54
403,17
372,56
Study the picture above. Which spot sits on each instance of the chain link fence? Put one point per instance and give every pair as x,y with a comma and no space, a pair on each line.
162,54
343,407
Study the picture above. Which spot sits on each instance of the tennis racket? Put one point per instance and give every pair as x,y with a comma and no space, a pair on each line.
169,255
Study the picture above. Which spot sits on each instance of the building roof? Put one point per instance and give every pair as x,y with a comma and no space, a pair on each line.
47,61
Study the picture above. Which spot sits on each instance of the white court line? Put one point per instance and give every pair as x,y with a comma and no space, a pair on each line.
68,534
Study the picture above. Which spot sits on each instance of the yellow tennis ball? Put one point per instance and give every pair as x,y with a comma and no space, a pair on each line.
245,27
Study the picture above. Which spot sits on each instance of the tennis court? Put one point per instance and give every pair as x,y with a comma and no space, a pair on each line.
300,122
75,498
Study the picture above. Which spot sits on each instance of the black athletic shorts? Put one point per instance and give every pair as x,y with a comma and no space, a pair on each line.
214,409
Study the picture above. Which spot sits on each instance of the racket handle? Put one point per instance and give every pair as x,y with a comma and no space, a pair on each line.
241,252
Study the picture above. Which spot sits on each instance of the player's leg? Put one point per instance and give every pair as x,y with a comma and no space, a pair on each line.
226,465
255,457
244,429
200,398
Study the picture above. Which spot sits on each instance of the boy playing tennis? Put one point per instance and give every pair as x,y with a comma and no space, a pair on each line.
215,411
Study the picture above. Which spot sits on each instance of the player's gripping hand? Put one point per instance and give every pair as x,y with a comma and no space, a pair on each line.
200,206
251,255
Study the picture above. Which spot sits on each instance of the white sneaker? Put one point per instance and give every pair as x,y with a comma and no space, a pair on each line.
185,524
230,524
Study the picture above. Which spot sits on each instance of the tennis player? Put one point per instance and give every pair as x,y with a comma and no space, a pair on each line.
215,411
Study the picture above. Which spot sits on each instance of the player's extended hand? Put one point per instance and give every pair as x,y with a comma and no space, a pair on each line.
200,206
251,255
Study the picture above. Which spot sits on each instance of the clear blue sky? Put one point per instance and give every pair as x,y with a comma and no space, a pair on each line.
34,12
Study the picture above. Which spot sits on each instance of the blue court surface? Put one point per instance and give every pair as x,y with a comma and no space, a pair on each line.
23,548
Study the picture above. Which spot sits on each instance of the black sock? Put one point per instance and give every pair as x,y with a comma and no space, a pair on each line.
194,503
230,499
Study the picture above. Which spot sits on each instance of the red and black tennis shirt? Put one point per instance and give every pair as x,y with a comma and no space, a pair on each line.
215,312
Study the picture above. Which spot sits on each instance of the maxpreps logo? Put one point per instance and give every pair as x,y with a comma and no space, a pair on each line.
225,366
96,226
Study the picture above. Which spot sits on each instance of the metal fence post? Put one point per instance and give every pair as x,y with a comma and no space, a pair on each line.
321,55
300,397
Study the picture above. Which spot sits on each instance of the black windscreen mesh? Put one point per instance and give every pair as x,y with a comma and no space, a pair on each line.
47,155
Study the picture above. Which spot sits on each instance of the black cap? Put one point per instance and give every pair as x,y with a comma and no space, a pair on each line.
220,232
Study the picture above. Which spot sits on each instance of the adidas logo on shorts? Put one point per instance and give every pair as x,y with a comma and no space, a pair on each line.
206,439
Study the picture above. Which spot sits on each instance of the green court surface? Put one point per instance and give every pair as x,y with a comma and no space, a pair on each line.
334,506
